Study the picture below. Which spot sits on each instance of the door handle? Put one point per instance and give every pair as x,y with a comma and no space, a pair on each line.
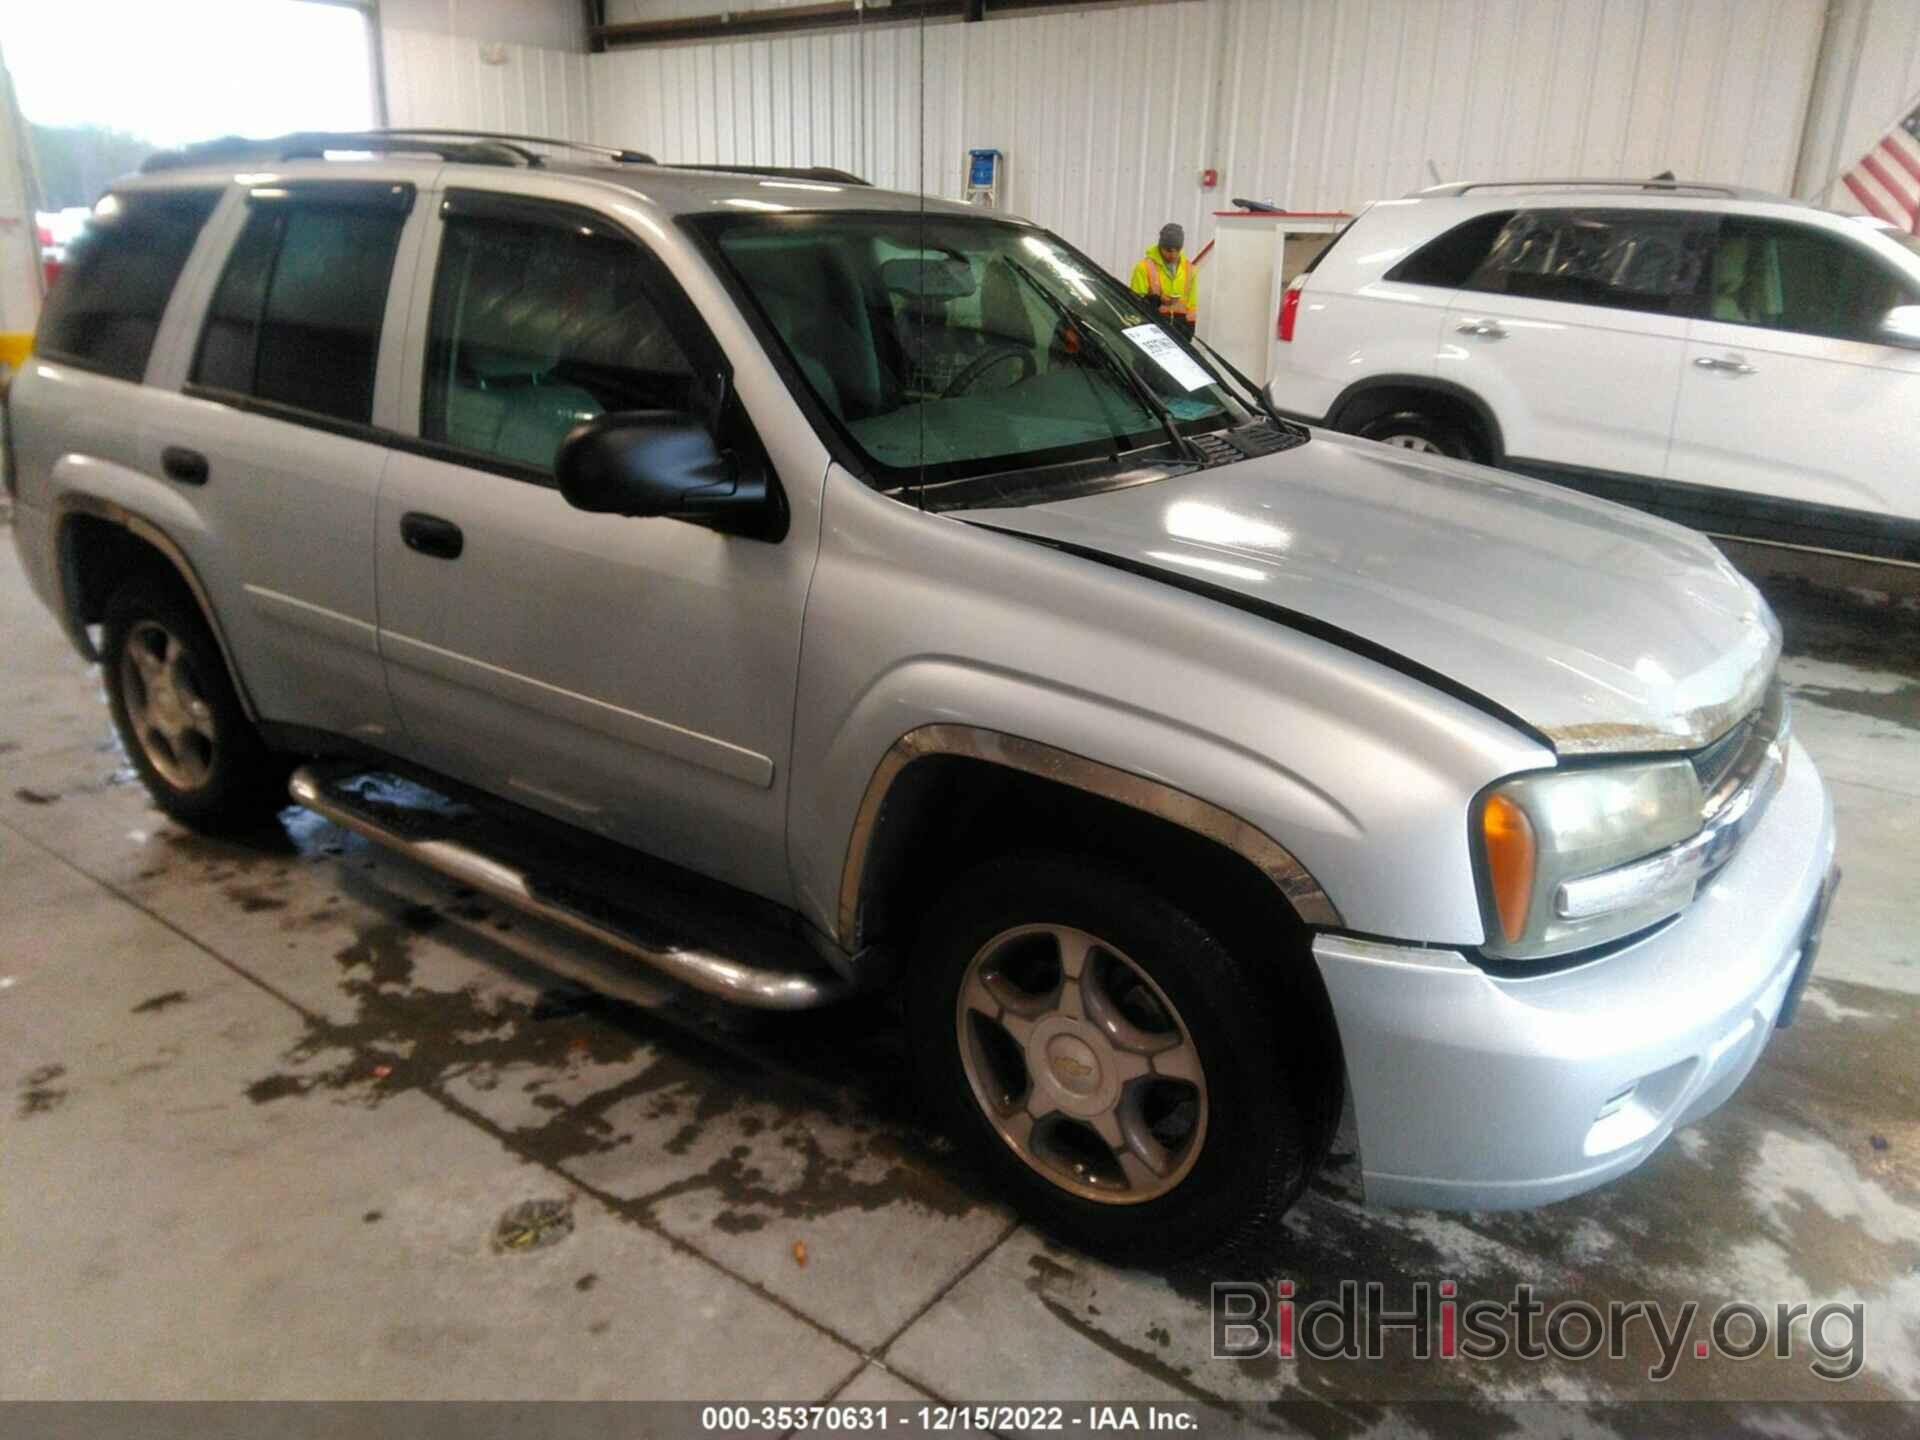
189,467
431,535
1729,364
1485,329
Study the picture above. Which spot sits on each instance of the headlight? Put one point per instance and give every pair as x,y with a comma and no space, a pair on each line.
1558,852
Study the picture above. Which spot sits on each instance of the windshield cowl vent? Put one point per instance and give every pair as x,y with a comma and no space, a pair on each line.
1229,447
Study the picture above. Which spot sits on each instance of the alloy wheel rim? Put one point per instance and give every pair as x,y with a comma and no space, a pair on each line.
1414,442
1081,1064
166,709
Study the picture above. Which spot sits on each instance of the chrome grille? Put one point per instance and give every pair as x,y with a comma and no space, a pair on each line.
1713,763
1739,781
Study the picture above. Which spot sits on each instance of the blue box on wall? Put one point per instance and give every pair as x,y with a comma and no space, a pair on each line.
982,166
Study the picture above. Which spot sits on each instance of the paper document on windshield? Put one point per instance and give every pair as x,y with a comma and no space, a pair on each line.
1165,352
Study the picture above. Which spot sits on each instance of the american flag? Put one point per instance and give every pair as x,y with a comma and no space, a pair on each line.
1886,182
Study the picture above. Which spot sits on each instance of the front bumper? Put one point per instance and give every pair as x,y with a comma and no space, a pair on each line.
1473,1091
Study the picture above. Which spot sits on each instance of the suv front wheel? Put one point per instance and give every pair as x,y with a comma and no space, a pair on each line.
178,717
1106,1059
1418,430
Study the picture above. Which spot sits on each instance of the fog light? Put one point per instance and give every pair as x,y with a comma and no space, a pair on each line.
1614,1103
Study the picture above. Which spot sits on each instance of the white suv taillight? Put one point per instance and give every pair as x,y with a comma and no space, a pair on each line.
1290,307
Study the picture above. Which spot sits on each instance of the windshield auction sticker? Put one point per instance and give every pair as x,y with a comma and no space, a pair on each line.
1165,352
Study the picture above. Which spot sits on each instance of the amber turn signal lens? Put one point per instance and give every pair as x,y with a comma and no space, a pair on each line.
1510,855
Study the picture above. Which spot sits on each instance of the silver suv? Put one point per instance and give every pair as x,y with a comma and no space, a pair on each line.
803,589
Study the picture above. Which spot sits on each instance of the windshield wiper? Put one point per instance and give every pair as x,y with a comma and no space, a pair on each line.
1258,393
1142,391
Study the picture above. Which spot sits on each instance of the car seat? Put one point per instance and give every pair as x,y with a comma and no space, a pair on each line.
502,397
1730,281
815,304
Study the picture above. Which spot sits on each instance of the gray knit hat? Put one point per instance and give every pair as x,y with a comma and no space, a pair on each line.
1172,236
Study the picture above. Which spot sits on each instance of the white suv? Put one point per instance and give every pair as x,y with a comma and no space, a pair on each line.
1742,363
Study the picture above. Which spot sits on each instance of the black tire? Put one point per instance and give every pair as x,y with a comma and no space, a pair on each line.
236,784
1418,430
1256,1152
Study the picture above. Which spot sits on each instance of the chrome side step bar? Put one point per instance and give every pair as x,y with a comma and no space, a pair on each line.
700,966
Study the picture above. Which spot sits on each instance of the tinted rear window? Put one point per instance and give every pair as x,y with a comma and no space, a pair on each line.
105,311
1649,260
1452,257
297,317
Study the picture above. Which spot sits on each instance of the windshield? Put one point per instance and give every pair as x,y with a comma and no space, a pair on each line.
943,347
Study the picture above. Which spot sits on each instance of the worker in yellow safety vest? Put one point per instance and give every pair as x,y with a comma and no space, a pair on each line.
1166,275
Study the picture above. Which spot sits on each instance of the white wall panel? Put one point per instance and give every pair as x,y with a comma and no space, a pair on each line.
1382,94
621,11
1102,163
1869,78
1107,115
549,24
436,79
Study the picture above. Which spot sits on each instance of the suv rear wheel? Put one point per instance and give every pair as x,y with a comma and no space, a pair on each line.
1418,430
177,714
1106,1059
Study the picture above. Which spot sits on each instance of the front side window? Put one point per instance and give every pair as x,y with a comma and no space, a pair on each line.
539,325
1782,276
1648,260
296,319
946,347
105,312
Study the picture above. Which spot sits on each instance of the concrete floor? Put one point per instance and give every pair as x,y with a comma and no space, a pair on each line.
270,1102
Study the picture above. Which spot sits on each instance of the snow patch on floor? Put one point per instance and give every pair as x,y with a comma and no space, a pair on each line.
1790,1168
1477,1255
1816,997
1799,670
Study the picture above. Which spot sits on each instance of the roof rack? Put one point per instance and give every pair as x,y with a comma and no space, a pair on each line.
824,173
315,144
616,153
473,147
1662,186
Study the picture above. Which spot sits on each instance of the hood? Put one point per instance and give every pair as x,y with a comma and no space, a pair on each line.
1605,630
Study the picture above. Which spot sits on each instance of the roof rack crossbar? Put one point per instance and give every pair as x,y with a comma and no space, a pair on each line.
825,173
483,147
314,144
617,153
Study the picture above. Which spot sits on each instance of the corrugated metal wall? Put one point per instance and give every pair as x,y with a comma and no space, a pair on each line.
1337,103
441,79
1095,161
1107,116
1869,77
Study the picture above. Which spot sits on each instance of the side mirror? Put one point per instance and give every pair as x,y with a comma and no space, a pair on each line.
1901,326
664,463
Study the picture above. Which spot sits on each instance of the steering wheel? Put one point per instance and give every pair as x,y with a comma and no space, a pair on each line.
1005,350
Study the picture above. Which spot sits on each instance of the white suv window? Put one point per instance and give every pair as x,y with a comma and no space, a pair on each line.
1783,276
1650,260
1448,260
